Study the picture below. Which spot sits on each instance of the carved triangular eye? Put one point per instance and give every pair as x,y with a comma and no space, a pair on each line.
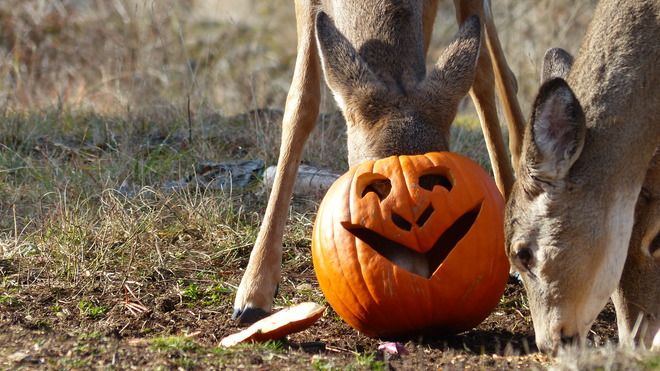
380,187
429,181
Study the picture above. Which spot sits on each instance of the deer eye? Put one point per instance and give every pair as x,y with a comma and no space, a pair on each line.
523,256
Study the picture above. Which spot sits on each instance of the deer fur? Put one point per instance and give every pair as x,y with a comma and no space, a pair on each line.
582,221
372,54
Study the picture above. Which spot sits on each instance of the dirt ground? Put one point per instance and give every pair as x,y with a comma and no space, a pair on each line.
45,326
111,278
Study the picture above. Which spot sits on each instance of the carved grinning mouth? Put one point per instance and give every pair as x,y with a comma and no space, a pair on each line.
396,252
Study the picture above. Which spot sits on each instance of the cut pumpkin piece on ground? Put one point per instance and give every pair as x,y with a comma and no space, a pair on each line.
278,325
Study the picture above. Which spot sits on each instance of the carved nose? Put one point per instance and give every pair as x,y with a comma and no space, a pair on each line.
425,216
401,222
406,225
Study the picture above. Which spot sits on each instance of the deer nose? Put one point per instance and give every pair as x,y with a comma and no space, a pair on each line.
550,343
568,340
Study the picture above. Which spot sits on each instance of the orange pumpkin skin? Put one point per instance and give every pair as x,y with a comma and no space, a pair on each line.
382,299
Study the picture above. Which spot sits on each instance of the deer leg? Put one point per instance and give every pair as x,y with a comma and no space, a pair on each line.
507,87
483,95
257,288
637,299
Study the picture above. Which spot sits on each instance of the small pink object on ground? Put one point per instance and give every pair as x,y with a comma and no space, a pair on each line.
394,348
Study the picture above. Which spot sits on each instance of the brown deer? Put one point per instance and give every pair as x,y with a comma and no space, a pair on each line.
372,53
583,217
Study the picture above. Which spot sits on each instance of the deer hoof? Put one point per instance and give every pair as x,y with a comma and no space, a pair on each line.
248,315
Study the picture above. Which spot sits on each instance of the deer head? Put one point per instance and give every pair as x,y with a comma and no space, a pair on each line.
396,111
571,212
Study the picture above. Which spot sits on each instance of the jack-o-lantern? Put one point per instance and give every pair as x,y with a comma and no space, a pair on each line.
412,244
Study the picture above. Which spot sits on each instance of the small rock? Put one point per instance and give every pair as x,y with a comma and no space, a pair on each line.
18,356
304,287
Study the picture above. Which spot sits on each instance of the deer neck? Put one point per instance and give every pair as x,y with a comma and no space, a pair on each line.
616,80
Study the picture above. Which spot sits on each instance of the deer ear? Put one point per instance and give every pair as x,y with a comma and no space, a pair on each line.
453,74
557,62
345,71
556,134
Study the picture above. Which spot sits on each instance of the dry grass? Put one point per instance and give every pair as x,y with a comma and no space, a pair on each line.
128,55
116,56
607,358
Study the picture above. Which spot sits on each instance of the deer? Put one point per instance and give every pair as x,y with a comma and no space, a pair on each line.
372,55
582,219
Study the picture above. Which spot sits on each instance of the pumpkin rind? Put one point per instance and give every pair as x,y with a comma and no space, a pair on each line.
382,299
278,325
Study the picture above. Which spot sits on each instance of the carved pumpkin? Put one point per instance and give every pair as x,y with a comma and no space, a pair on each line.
411,244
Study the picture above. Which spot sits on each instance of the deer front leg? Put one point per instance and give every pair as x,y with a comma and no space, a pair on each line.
507,87
255,294
483,95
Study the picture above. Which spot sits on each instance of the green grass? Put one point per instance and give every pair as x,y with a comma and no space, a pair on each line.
269,347
361,361
187,353
274,346
9,293
174,343
191,292
73,363
368,361
6,299
467,139
320,364
91,310
652,362
216,294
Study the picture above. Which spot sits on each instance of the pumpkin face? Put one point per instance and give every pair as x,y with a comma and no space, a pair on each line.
411,244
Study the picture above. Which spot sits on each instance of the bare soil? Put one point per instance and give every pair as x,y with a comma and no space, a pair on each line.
98,276
44,325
